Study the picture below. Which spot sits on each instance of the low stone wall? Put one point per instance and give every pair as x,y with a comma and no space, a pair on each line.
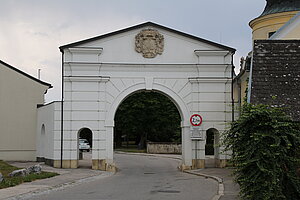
163,147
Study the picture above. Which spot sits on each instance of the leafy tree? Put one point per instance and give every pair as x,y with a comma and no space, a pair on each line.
265,144
148,116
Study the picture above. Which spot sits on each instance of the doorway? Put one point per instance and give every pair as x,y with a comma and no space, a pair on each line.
211,147
85,142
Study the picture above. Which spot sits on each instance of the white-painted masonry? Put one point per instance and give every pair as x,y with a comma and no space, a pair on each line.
99,73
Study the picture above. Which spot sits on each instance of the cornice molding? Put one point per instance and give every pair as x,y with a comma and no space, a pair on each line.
209,80
87,78
87,50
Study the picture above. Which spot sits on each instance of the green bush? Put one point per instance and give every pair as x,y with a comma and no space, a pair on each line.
265,145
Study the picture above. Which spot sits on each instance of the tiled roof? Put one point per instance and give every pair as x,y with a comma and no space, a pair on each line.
276,75
278,6
142,26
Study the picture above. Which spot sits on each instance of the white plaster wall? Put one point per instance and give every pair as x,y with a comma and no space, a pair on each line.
177,49
45,140
99,75
49,144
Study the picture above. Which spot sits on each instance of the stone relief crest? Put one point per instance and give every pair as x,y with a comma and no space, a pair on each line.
149,42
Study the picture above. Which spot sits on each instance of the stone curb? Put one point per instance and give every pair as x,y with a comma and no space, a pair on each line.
219,180
58,187
145,154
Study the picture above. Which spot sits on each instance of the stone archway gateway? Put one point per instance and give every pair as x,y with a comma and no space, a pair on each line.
185,127
147,121
99,73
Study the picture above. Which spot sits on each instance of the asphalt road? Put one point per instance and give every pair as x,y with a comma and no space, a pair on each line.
141,178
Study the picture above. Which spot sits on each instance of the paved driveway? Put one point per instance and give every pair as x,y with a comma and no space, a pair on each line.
141,178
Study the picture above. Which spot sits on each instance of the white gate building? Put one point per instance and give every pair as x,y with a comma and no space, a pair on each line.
101,72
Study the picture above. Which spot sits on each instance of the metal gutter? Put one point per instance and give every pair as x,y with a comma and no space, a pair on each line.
232,88
62,111
250,78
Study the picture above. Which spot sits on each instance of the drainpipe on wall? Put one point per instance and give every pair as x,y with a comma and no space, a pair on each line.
239,84
250,78
232,88
62,111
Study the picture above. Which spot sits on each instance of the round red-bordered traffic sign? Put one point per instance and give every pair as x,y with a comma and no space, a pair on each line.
196,120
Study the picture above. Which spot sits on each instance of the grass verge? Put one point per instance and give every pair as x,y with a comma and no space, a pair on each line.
5,169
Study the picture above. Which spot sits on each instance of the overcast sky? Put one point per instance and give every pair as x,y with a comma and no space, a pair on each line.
32,30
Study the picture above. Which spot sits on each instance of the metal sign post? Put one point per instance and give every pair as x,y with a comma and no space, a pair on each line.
196,133
196,121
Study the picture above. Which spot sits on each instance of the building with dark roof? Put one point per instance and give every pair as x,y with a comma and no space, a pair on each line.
275,15
280,6
272,67
20,94
276,75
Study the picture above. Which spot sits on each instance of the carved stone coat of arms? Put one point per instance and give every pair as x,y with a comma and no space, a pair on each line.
149,42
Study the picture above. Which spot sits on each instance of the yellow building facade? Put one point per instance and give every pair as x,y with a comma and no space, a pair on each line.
279,20
289,31
264,27
276,14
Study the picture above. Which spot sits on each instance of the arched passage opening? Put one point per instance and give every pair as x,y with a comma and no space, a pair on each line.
211,147
147,122
106,162
85,141
43,130
42,144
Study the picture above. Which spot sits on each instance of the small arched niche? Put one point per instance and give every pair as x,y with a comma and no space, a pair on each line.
84,151
212,147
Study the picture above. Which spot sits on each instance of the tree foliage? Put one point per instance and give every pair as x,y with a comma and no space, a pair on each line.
148,116
265,144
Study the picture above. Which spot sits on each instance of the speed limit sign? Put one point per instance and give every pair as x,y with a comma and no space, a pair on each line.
196,120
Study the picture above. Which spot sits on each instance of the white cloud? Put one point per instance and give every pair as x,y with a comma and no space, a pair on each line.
30,41
32,30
